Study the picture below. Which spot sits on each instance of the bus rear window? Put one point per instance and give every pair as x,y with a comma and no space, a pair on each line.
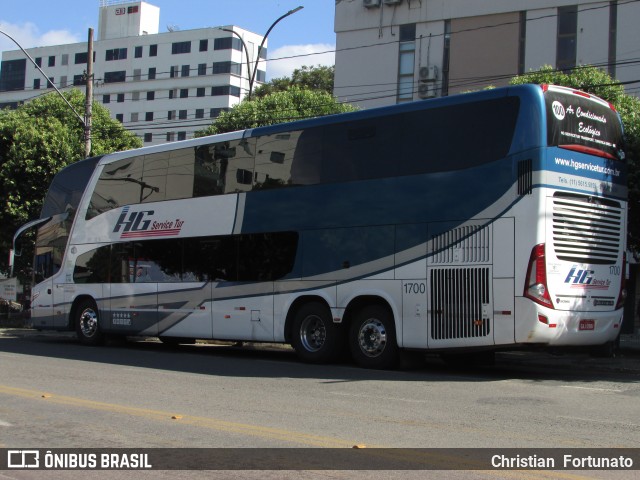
583,123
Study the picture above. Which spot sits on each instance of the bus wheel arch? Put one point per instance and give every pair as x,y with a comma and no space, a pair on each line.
372,332
85,318
311,331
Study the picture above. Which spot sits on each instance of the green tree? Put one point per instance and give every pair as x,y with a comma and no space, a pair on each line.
318,78
292,104
37,140
593,80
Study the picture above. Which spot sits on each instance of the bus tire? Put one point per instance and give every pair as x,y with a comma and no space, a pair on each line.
372,338
87,321
315,338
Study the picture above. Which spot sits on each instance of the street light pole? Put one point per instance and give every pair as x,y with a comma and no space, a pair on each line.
264,39
86,122
251,72
246,51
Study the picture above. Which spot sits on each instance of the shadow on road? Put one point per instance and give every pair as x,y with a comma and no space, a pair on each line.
265,361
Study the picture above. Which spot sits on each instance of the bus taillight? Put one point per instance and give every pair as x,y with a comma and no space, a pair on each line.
536,284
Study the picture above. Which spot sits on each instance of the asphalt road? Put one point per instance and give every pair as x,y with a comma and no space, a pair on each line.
55,393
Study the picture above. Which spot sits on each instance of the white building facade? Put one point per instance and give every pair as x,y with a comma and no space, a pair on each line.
161,86
392,51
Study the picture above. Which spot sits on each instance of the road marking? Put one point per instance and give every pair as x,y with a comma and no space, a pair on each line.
593,420
206,422
595,389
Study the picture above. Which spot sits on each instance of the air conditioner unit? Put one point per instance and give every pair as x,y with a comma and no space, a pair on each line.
371,3
392,2
428,74
427,90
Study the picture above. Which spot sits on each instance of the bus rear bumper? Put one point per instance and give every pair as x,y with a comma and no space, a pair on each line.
537,324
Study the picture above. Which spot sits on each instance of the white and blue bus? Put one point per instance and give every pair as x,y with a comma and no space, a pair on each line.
476,222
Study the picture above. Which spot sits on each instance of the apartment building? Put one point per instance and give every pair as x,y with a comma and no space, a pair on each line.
392,51
161,86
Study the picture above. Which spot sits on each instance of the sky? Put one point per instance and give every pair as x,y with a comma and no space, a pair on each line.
306,32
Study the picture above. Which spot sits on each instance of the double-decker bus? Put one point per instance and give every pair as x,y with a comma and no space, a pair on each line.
475,222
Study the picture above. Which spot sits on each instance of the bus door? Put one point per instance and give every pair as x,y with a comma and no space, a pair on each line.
460,286
133,292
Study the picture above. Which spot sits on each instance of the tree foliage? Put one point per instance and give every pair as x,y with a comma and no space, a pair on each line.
37,140
319,79
292,104
595,81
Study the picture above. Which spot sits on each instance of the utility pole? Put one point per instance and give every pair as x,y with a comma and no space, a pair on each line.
89,99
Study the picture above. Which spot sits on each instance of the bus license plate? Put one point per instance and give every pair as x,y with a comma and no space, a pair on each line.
587,325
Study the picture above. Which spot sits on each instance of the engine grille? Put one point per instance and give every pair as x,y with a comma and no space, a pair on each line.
587,229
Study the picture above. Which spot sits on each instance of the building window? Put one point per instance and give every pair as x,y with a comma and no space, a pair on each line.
613,32
567,37
120,117
171,115
121,98
182,136
116,54
135,96
65,59
81,58
106,98
171,136
152,73
446,56
148,137
226,67
406,62
173,94
180,47
522,42
137,52
200,92
39,61
63,81
227,43
182,114
148,116
134,116
114,77
204,45
153,50
50,82
261,76
199,112
36,84
79,80
137,75
215,112
151,95
173,71
184,93
202,69
185,70
52,61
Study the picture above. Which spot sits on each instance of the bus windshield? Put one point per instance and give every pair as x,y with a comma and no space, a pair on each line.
582,122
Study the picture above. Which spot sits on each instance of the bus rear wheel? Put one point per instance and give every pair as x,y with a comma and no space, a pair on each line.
372,338
315,337
87,322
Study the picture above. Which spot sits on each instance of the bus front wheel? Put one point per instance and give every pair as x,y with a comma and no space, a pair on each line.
87,323
315,338
372,338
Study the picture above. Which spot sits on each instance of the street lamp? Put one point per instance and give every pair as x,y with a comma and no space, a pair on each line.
251,72
86,121
44,75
